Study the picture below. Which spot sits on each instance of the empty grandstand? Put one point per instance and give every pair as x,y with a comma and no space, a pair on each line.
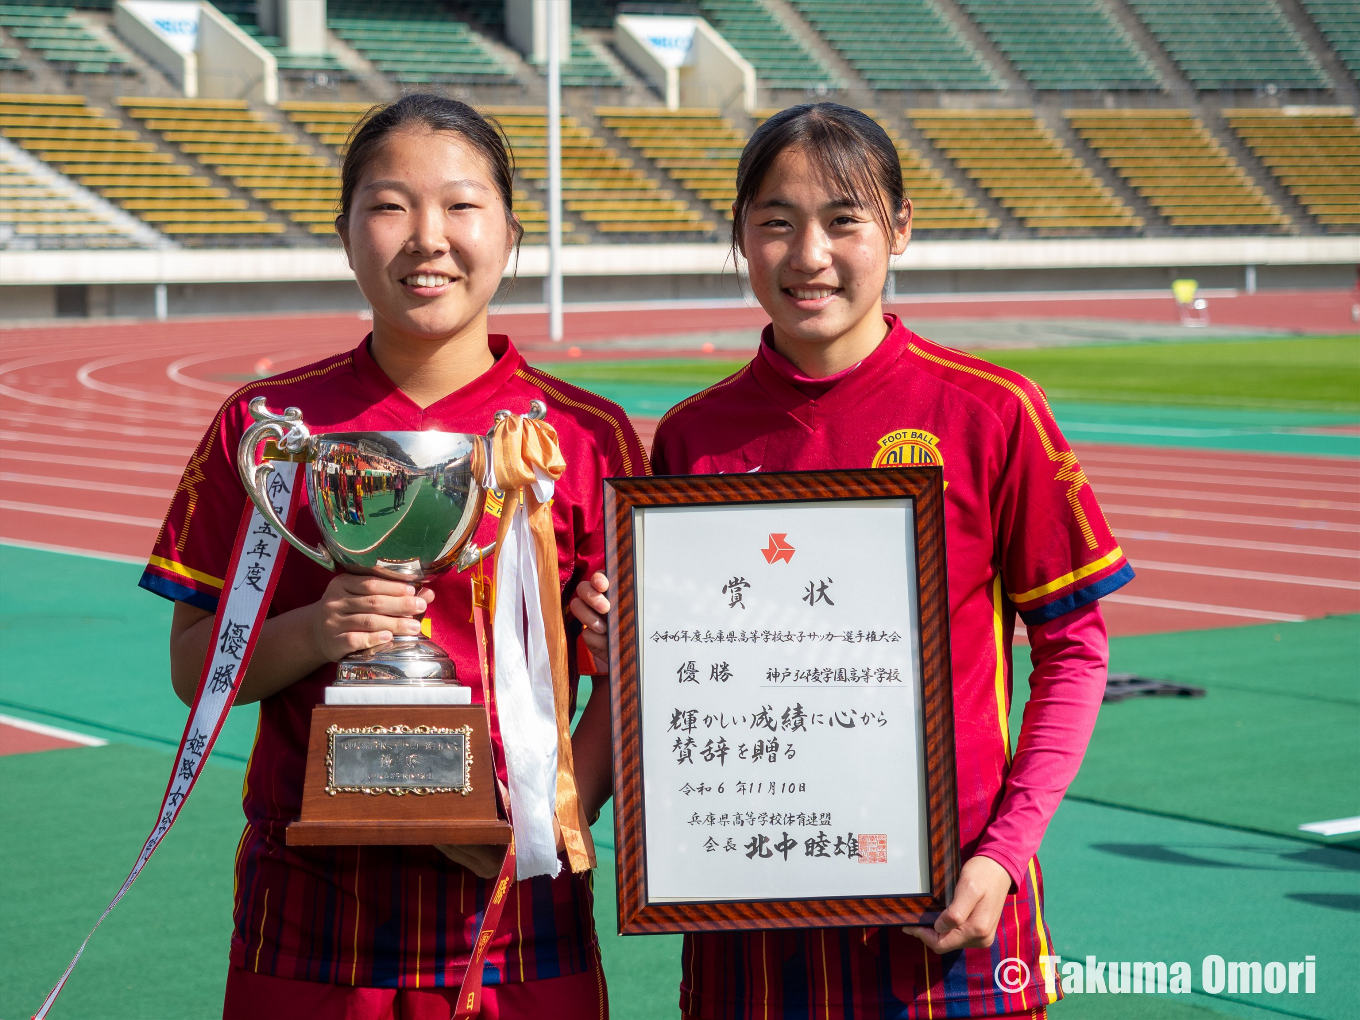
62,38
1339,22
781,59
101,152
1172,160
1315,154
1064,44
900,44
415,42
291,63
1027,170
697,148
251,151
1232,44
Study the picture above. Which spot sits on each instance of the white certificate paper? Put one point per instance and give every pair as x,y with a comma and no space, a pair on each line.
782,737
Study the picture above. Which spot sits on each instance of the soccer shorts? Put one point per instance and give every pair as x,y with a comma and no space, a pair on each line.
252,996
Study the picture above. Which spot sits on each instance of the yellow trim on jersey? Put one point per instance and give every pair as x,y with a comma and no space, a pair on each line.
183,571
721,384
619,435
1068,468
999,632
1066,579
1049,997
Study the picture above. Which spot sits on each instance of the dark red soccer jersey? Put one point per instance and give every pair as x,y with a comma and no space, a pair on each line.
1023,533
385,916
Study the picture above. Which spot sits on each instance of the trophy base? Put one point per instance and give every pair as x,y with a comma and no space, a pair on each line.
399,775
404,661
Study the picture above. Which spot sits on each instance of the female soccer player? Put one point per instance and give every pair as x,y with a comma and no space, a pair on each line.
839,384
370,932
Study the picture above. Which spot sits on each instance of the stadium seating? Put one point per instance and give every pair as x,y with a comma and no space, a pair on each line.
899,44
1064,44
331,124
601,188
244,147
100,153
1231,43
1026,169
1339,22
937,202
34,214
586,66
1314,153
291,63
780,58
412,41
59,36
698,148
1169,158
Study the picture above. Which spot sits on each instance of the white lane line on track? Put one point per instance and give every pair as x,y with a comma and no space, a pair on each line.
1239,498
1246,575
181,453
97,426
1193,515
1219,543
51,731
84,515
1202,607
175,373
1352,488
92,462
84,485
1320,467
82,406
85,376
69,550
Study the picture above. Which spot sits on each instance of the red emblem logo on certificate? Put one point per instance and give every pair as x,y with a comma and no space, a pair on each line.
778,549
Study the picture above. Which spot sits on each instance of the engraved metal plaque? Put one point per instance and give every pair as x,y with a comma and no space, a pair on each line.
398,760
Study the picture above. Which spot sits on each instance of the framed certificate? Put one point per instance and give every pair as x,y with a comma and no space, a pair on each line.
782,709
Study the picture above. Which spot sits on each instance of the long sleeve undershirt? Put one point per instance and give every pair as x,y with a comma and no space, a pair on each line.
1070,656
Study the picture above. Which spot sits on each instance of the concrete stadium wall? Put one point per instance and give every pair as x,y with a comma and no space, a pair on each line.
46,284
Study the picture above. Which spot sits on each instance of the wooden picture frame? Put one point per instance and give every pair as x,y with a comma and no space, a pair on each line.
627,501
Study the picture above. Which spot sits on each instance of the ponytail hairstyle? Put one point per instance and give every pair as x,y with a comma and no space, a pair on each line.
435,113
847,146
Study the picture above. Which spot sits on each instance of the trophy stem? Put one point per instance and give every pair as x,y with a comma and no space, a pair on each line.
405,661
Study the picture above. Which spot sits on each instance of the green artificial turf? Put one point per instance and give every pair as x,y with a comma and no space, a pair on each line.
1315,374
1272,745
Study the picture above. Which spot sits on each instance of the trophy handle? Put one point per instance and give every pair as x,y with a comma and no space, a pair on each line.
292,437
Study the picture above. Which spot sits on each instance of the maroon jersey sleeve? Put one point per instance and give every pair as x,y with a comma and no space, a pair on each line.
189,560
1056,549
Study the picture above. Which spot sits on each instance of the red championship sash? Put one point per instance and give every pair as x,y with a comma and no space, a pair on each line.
254,571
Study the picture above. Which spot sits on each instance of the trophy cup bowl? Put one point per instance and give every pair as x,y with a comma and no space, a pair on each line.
403,506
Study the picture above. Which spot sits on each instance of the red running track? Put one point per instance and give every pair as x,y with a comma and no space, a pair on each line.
99,421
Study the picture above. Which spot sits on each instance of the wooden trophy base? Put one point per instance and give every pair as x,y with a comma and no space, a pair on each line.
412,775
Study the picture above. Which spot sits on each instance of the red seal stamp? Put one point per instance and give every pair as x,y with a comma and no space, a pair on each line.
873,848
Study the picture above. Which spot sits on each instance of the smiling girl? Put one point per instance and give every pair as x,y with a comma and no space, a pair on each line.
376,932
838,384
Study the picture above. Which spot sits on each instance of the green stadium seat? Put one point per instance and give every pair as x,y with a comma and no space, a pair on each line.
1232,44
781,59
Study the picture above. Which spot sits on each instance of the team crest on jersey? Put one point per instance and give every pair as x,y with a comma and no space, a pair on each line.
908,448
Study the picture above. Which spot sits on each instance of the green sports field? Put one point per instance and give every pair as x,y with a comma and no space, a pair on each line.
1178,839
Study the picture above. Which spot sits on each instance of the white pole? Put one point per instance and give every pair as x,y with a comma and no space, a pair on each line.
554,281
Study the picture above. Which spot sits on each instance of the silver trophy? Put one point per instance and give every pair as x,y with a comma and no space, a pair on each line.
403,506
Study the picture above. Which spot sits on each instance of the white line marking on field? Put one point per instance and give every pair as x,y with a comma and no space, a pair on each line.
1335,827
84,485
1353,488
68,550
1218,543
83,515
1238,498
1248,575
1201,607
1195,515
93,462
52,731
